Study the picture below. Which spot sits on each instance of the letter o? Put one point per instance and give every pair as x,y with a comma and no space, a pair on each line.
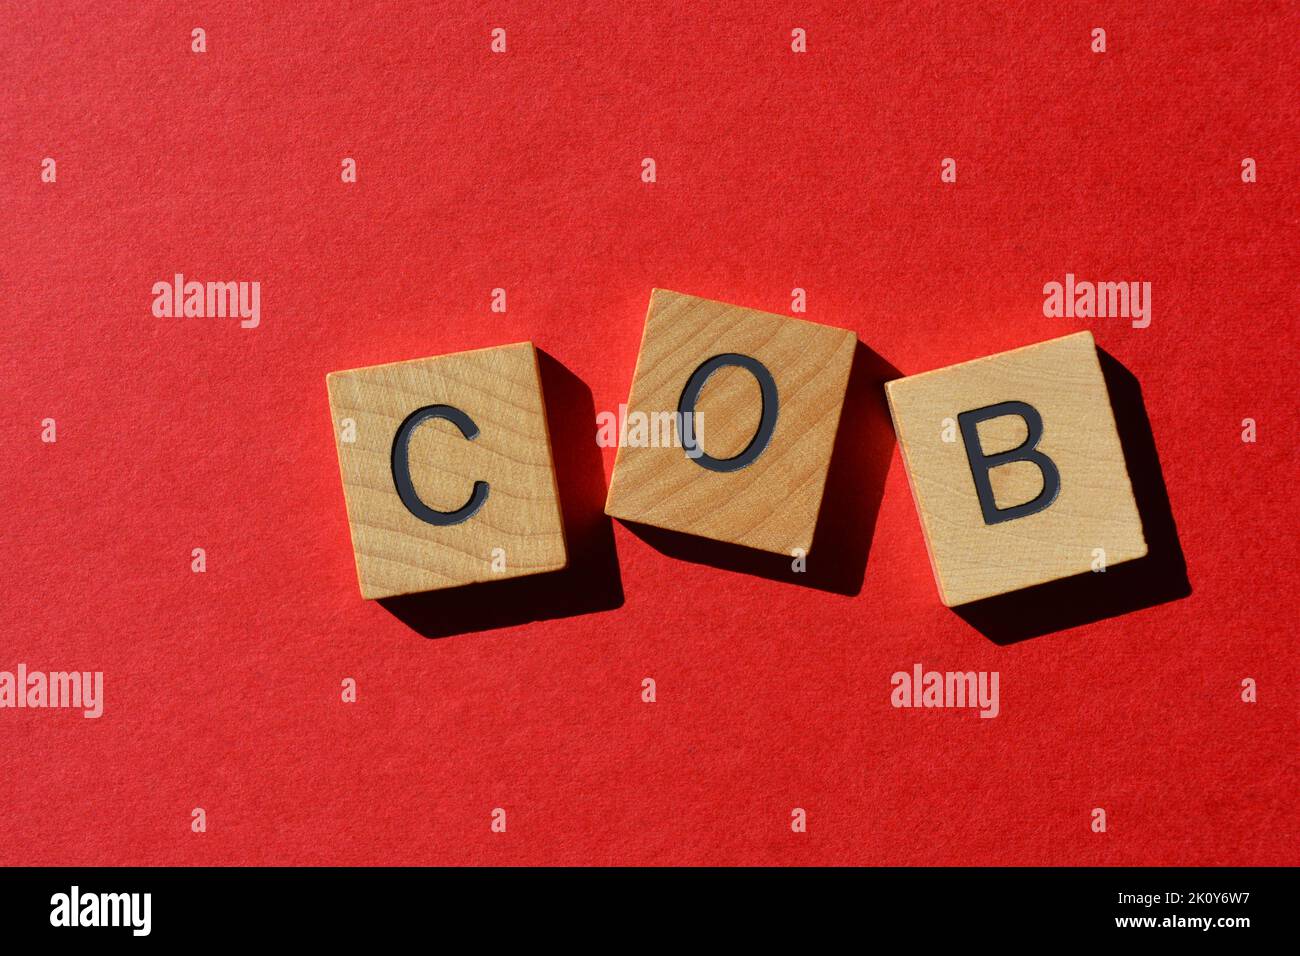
767,421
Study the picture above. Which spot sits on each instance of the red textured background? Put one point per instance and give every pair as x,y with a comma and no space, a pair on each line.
522,171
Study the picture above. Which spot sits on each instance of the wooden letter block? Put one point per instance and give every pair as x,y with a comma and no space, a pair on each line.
1016,468
731,420
447,471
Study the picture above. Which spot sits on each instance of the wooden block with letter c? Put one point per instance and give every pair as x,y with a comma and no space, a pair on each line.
1016,467
730,423
447,470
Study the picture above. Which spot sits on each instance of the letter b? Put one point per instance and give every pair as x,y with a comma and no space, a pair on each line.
981,464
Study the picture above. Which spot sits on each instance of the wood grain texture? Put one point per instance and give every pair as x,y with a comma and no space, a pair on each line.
396,552
771,504
1062,380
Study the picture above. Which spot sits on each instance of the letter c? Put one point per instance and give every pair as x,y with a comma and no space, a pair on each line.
402,466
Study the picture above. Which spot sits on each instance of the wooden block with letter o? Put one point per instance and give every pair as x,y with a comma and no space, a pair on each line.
1017,470
447,471
730,423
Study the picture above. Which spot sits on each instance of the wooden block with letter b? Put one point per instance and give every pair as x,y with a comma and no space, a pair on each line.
730,423
447,470
1016,467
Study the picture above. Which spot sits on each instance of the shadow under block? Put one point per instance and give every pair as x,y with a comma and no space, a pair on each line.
976,554
772,502
517,528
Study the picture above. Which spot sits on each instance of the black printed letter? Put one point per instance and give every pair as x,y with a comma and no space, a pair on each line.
402,466
767,420
981,464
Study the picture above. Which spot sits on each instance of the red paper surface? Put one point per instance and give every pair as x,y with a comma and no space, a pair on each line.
522,171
